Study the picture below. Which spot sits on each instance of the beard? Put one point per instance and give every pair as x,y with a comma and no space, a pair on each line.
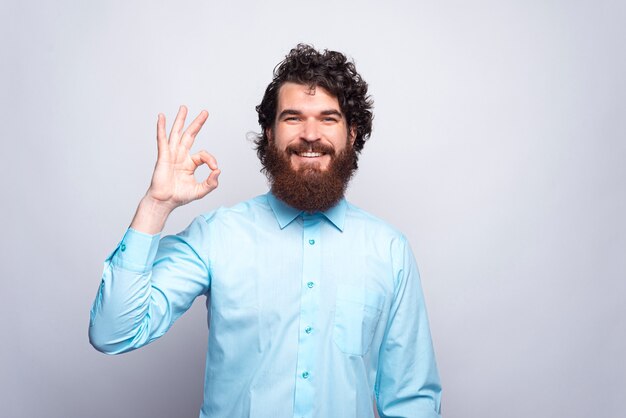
309,188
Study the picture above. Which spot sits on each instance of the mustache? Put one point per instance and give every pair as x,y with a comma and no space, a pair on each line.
310,147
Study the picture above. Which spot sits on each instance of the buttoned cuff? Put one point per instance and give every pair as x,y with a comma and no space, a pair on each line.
136,251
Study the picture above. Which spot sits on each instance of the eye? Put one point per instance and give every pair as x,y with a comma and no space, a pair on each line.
291,119
330,119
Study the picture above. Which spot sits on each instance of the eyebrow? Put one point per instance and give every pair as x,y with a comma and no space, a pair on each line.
331,112
295,112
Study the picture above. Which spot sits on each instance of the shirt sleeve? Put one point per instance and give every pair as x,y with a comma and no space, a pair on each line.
407,382
146,285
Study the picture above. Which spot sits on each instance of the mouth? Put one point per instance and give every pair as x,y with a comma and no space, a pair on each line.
310,150
309,154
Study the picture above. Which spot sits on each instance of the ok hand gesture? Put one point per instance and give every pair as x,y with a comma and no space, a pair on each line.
173,182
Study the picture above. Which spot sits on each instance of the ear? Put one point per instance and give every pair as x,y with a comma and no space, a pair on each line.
352,134
269,135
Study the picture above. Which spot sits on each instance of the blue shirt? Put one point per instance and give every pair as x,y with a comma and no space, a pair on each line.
310,315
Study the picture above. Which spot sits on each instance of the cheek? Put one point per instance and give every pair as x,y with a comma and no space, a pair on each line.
341,144
339,137
281,139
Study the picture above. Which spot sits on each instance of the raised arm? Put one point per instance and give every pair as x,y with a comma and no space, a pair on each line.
149,282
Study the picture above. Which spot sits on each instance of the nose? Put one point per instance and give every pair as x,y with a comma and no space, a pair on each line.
310,131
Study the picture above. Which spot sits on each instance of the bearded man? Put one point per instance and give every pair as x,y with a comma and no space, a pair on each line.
315,307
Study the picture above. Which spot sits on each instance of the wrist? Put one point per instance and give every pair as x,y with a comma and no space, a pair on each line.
151,215
156,206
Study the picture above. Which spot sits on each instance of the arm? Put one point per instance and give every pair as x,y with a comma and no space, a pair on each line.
407,383
147,284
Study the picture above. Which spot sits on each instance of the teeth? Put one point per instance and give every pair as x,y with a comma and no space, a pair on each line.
311,154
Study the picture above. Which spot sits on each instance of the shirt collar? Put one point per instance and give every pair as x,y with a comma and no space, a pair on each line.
285,214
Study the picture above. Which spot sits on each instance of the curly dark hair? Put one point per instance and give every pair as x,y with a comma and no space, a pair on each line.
330,70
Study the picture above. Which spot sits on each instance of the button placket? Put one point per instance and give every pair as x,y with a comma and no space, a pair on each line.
309,307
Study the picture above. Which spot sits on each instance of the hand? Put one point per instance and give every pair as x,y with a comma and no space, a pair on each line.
173,182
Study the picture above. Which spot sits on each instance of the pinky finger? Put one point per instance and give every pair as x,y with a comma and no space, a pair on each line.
161,135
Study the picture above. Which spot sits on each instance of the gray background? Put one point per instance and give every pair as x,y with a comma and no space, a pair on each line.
499,149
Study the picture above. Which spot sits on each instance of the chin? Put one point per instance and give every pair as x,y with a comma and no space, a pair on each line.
312,166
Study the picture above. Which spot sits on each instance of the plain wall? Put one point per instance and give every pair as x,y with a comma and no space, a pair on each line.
499,149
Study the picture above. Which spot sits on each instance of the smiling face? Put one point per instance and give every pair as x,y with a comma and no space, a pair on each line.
310,158
309,128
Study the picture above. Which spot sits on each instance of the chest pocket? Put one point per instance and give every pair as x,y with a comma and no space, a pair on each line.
357,311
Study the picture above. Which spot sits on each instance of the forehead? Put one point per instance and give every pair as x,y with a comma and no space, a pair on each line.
304,97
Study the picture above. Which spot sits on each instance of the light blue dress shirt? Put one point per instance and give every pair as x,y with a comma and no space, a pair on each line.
310,315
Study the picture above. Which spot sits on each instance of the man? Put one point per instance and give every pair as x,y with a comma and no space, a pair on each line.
316,308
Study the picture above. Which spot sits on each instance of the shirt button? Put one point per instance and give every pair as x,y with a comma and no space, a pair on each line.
310,285
123,247
308,330
311,241
305,375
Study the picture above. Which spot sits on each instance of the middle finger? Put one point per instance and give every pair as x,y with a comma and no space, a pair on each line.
177,127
